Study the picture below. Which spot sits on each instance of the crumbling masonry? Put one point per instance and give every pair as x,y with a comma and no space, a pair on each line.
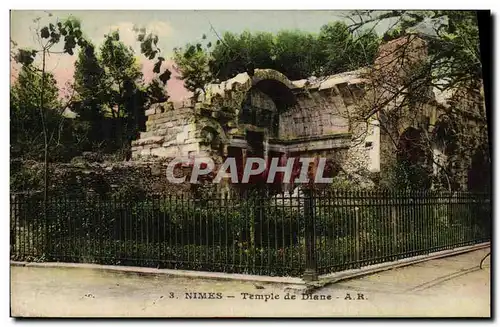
268,115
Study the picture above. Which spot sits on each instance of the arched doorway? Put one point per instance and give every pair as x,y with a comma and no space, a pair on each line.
413,168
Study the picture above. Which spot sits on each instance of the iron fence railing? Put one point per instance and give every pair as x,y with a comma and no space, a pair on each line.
301,235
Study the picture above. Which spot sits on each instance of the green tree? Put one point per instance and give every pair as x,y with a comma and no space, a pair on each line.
70,34
295,53
235,54
452,65
298,54
122,80
453,42
194,66
344,50
111,89
89,84
26,126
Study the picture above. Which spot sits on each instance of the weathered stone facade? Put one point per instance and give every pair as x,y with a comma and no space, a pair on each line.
268,115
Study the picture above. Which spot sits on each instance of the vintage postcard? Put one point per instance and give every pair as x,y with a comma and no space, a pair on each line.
293,163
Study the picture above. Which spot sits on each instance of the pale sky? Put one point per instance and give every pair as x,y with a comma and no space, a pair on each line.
174,28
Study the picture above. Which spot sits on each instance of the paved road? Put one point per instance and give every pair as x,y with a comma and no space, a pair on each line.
449,287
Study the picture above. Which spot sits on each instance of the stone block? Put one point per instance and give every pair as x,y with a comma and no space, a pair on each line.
161,131
137,147
162,121
156,170
165,152
178,105
150,112
169,143
149,140
169,106
181,137
145,152
158,107
162,115
145,135
190,147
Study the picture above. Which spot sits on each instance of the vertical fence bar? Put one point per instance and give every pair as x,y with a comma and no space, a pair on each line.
349,209
207,233
225,243
282,226
357,231
125,228
332,253
300,235
393,225
387,225
422,219
310,273
12,226
159,226
355,228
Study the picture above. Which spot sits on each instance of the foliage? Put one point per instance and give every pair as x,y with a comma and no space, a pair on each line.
295,53
344,50
24,179
451,68
111,87
453,38
37,89
353,229
27,127
109,95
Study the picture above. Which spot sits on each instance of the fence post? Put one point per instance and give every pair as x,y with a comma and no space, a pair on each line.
13,225
394,231
310,273
357,233
46,229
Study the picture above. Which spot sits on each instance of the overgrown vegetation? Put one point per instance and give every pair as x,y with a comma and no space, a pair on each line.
103,109
248,234
295,53
452,66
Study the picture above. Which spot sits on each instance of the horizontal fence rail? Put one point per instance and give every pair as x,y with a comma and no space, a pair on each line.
280,235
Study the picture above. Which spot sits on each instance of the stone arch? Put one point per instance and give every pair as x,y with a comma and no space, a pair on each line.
410,144
233,92
276,85
210,139
207,125
260,110
413,159
479,172
443,136
271,74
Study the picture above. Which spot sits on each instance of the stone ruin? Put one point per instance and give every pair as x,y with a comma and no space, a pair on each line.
264,115
267,115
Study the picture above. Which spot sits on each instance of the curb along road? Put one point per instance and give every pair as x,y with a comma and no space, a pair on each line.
291,281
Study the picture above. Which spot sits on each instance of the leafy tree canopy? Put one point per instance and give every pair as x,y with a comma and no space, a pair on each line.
295,53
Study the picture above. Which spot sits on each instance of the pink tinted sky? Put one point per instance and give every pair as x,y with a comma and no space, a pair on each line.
174,28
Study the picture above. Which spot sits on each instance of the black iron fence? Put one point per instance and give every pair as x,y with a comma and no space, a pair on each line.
303,235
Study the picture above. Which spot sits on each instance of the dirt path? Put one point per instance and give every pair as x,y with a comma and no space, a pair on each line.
443,287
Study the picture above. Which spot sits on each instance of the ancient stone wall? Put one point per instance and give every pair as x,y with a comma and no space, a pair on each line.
132,178
331,116
324,106
170,130
315,114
